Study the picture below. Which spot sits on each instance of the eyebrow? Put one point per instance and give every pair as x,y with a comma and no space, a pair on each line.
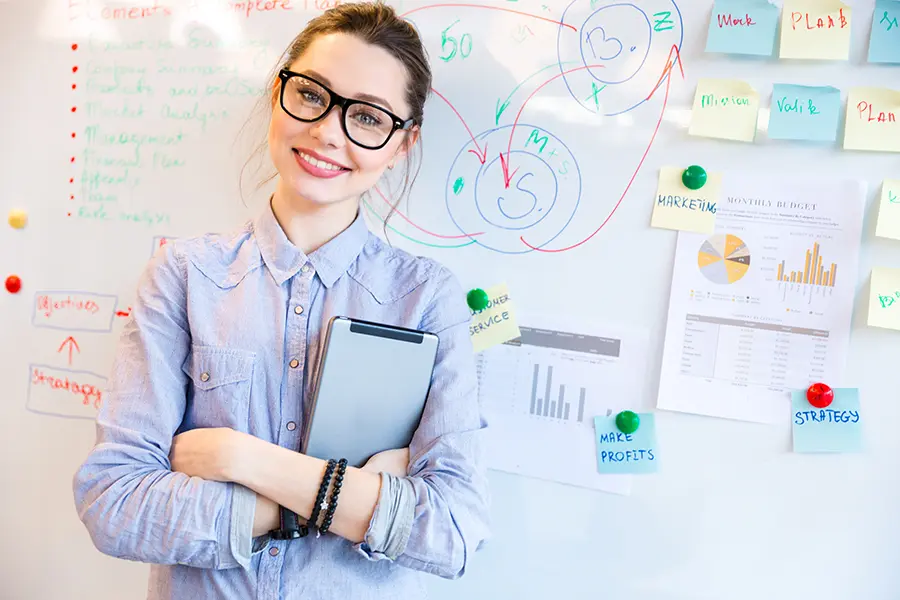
365,97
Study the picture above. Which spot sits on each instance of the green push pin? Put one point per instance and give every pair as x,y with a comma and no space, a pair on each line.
694,177
628,422
477,299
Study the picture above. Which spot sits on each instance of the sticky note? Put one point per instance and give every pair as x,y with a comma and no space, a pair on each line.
815,29
801,112
725,109
873,120
677,207
884,298
618,452
496,323
884,44
888,225
743,27
837,428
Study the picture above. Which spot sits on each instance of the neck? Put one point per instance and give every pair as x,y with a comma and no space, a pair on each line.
308,225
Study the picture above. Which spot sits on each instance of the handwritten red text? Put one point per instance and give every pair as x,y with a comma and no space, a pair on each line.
49,305
88,394
135,12
868,113
730,20
251,6
813,23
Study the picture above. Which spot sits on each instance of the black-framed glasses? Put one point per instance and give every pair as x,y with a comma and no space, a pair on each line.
365,124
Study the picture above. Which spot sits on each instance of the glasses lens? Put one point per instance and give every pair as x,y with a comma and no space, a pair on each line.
305,99
367,125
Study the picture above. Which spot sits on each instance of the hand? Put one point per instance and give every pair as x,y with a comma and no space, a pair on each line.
210,453
395,462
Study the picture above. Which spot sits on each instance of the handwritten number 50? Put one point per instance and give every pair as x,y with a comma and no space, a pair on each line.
450,45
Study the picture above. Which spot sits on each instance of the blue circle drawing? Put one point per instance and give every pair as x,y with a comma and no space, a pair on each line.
540,202
622,47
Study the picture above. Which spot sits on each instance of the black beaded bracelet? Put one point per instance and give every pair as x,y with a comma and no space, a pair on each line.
323,489
333,500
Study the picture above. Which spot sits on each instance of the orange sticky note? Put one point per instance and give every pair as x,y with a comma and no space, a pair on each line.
815,29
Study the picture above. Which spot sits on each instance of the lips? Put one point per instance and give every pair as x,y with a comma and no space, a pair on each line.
317,165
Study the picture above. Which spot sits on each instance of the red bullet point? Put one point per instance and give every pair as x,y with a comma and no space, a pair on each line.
71,197
74,46
73,135
73,86
71,180
72,159
74,109
74,69
13,284
70,214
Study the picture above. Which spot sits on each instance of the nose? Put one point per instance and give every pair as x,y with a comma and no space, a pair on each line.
328,130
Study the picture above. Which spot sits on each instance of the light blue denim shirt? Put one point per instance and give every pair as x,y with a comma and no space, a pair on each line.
226,330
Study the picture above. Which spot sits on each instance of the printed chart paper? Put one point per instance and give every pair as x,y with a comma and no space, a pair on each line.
801,112
541,392
743,27
763,306
815,29
726,109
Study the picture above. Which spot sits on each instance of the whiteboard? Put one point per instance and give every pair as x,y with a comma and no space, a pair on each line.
733,515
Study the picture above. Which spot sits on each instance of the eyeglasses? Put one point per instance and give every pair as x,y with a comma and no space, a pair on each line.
365,124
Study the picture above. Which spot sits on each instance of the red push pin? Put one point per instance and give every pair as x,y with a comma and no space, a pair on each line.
13,284
820,395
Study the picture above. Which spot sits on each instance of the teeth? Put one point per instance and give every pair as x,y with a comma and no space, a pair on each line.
318,163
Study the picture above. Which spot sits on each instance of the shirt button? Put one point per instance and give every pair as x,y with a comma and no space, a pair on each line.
305,268
298,310
291,426
204,377
273,551
295,363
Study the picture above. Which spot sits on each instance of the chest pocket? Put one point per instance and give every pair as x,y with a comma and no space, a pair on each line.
220,385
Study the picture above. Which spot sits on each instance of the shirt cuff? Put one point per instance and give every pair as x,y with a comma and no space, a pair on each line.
391,523
243,511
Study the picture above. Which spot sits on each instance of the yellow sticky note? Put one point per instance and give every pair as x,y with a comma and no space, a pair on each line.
677,207
888,225
873,120
496,323
726,109
884,298
815,29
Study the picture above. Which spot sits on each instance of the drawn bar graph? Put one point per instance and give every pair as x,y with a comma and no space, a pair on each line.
554,409
813,273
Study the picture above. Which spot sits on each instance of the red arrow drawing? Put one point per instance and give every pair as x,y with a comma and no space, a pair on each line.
504,161
481,154
72,344
666,75
124,313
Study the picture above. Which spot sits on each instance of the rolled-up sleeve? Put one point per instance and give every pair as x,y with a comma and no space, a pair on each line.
434,519
132,504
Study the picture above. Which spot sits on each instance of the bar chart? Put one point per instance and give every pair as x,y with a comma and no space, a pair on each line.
560,408
813,271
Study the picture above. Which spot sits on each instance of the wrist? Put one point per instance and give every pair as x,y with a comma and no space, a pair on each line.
244,450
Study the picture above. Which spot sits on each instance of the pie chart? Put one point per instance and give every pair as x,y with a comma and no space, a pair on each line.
724,259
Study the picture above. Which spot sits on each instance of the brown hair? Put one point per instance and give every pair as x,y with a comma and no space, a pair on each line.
378,24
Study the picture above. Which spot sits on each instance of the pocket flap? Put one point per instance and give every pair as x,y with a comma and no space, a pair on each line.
209,367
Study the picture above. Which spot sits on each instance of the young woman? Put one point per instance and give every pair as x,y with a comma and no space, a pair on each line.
198,435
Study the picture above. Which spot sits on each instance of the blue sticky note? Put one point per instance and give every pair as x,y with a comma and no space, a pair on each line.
837,428
884,45
801,112
626,453
743,27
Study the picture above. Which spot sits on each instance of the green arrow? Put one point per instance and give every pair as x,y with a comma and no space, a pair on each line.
500,107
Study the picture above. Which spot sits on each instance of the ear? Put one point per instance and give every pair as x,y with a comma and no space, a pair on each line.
409,142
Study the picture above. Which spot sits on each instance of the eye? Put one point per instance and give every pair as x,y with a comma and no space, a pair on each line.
310,96
368,118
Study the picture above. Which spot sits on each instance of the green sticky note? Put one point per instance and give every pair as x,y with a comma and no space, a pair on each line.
837,428
743,27
620,453
884,44
801,112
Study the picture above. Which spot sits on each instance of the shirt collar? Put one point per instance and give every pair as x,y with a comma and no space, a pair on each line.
330,261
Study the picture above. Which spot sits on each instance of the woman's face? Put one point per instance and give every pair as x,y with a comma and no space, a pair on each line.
316,160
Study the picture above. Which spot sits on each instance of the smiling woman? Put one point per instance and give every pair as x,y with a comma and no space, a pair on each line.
198,436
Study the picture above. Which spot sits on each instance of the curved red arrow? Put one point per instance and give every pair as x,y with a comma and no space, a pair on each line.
504,161
422,229
481,154
500,8
670,63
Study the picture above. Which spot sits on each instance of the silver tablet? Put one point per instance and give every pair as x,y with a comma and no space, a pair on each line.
370,390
